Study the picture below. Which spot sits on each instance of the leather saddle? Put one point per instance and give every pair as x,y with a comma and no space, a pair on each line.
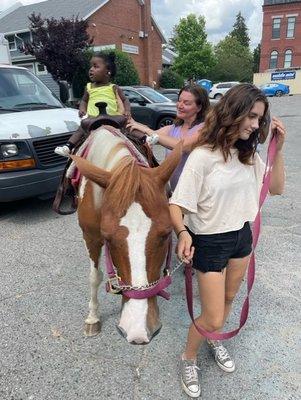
65,201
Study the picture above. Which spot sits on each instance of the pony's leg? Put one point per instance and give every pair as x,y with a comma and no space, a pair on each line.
92,322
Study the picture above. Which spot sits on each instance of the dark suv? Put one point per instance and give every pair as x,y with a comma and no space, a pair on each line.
149,106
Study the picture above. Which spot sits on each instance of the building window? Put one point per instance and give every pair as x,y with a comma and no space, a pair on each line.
41,69
291,22
276,28
273,59
12,42
288,57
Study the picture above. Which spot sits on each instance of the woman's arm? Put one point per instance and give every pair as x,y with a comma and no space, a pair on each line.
277,174
171,142
163,136
184,249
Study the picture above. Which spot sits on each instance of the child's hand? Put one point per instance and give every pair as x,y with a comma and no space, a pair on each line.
81,113
128,116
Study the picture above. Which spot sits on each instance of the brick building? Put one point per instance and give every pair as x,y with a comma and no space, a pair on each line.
281,35
127,25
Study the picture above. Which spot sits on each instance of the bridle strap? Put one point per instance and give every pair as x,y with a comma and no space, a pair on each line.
152,290
251,268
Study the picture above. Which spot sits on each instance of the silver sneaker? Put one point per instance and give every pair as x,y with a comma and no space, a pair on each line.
221,356
190,378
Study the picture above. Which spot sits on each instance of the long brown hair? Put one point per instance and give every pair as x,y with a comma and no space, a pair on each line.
221,128
201,100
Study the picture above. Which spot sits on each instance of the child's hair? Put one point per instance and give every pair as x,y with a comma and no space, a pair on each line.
109,60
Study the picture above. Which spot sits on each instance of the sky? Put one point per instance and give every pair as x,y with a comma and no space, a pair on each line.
219,15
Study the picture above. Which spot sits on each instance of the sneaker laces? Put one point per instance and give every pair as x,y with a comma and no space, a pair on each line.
191,374
222,352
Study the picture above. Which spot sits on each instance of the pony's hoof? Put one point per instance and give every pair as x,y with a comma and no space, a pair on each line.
92,329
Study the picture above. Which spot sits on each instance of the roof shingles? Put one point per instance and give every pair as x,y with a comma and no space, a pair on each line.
18,20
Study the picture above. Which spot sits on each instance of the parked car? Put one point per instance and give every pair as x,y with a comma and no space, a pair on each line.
205,84
32,123
171,94
275,89
150,107
219,89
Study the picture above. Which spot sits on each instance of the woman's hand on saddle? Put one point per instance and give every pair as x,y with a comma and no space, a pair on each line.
184,248
279,131
132,125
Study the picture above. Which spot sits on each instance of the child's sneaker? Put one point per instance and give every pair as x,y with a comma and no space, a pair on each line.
63,151
221,355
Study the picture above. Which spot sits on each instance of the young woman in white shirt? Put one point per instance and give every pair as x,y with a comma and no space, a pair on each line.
218,194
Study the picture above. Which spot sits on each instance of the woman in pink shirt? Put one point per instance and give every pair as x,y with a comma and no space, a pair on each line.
192,106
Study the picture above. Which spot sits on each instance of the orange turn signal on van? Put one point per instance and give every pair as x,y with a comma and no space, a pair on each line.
17,164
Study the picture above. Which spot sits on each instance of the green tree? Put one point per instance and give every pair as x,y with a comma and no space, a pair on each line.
256,58
171,79
233,61
58,44
126,71
195,55
240,31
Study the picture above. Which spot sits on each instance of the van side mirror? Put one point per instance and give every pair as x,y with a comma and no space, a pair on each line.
64,91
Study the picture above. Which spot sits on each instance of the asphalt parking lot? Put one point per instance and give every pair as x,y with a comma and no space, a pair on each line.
44,295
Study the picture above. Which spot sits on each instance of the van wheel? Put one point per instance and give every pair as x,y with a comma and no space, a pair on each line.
218,96
279,93
165,121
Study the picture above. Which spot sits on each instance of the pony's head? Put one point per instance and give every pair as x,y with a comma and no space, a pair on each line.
135,222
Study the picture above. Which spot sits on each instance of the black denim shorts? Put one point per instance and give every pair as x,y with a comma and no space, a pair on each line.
212,252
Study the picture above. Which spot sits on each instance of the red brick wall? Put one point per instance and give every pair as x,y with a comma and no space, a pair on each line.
120,21
281,45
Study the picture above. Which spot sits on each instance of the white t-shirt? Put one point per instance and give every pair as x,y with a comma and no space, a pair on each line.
218,196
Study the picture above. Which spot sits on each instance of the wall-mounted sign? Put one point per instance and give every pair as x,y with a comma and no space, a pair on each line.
104,47
128,48
279,76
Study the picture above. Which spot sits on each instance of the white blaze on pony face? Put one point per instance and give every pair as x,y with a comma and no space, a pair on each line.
134,312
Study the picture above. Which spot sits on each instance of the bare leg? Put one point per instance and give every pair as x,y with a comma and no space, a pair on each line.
212,296
235,273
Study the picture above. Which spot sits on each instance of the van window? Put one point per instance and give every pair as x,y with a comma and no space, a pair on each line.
21,89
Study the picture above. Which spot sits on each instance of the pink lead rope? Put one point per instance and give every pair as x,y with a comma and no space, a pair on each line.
251,268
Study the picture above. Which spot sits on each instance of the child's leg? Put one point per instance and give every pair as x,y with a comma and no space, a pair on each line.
72,142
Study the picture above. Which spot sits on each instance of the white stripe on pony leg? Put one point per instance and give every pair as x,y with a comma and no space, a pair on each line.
134,312
96,277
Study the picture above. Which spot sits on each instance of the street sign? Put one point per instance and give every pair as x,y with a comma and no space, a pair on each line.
279,76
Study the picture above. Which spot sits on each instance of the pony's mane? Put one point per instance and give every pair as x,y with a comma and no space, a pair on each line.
125,183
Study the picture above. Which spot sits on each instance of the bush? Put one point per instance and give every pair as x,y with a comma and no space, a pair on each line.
171,79
126,72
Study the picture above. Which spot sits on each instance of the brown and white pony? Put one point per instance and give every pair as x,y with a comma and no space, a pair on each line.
126,205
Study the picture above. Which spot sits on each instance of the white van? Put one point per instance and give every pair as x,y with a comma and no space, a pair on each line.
33,121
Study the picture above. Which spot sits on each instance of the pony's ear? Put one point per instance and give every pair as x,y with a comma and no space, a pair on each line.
164,171
90,171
